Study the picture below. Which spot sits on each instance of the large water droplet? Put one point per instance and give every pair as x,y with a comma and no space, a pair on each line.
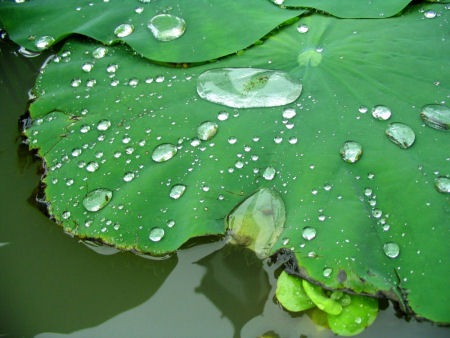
436,116
248,87
177,191
99,52
164,152
44,42
351,151
381,112
156,234
401,134
166,27
258,221
391,249
442,184
128,177
97,199
207,130
123,30
309,233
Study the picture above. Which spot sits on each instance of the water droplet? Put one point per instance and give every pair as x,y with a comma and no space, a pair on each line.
99,52
430,14
170,223
442,184
258,221
247,87
76,152
309,233
128,177
436,116
269,173
87,67
75,83
164,152
223,116
293,140
156,234
44,42
66,215
123,30
363,109
391,249
92,167
97,199
103,125
381,112
112,68
166,27
278,139
232,140
401,134
207,130
327,272
302,29
177,191
289,113
351,151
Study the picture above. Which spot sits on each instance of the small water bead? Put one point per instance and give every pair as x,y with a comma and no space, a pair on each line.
289,113
302,28
391,249
232,140
123,30
103,125
156,234
351,151
327,272
99,52
167,27
278,139
223,116
112,68
133,82
207,130
75,83
160,79
87,67
177,191
164,152
309,233
269,173
442,184
66,215
436,116
401,134
381,112
363,109
170,223
128,177
76,152
97,199
247,87
92,167
44,42
430,14
84,129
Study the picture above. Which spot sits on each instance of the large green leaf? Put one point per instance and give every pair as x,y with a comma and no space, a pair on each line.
352,8
386,200
208,24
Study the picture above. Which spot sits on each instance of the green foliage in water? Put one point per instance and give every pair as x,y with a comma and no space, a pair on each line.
347,127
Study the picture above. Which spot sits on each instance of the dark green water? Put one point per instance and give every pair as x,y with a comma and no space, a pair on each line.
51,285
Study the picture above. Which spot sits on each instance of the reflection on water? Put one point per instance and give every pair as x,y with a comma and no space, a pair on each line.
51,283
236,284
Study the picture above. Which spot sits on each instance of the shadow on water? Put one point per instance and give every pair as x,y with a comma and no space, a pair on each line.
49,282
236,284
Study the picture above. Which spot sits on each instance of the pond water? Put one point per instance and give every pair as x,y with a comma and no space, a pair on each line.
52,285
